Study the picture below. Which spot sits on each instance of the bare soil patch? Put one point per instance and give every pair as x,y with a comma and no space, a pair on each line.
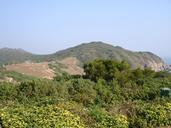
41,70
72,66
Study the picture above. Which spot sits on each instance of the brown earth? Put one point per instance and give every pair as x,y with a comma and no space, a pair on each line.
72,66
41,70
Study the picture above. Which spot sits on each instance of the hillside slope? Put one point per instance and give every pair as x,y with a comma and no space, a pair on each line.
100,50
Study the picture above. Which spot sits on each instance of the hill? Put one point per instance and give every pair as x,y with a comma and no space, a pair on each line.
8,55
99,50
70,60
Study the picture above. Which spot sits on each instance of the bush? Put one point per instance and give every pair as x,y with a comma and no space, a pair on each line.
8,91
107,70
104,93
39,117
82,91
151,116
37,89
79,110
104,120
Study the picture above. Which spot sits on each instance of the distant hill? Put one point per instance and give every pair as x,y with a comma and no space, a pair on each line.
8,55
86,52
94,50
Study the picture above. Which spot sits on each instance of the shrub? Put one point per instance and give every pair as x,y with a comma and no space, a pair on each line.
80,110
151,116
107,70
37,89
104,93
39,117
8,91
104,120
82,91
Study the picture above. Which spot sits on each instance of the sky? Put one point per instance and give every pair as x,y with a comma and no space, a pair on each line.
46,26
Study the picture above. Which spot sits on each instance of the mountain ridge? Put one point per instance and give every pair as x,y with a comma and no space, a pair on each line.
99,50
89,51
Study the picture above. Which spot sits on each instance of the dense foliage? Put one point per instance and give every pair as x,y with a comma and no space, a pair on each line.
110,94
39,117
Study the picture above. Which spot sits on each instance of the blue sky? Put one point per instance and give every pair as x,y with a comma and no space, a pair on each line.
46,26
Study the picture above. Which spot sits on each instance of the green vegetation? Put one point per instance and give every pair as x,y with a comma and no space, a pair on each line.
39,117
109,95
15,76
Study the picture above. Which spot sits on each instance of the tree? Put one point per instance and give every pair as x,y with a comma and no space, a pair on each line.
107,70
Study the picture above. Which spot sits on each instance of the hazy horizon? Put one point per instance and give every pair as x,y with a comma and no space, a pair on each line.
44,27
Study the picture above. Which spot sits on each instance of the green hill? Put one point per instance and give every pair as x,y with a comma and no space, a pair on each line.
8,55
87,52
90,51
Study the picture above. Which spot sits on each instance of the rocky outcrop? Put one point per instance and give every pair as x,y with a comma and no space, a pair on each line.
157,66
153,61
